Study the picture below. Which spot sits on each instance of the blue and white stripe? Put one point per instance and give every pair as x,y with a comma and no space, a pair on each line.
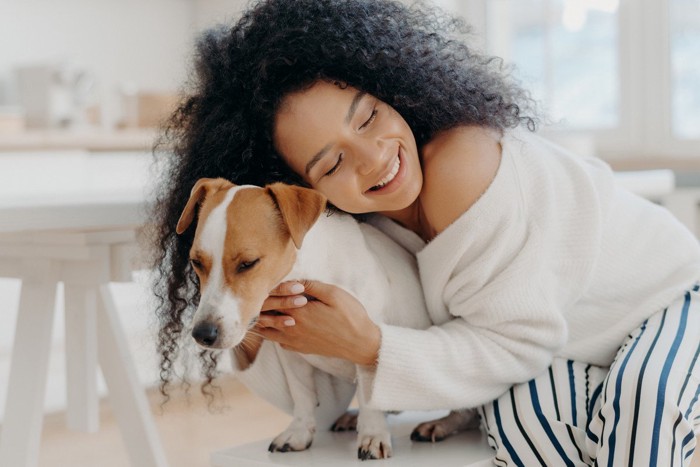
643,410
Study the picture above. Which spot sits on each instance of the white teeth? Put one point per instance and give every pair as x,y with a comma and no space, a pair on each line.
390,176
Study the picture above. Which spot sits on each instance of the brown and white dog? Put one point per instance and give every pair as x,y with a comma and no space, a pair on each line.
249,239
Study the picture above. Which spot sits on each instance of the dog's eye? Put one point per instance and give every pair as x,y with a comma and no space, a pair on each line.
196,263
245,265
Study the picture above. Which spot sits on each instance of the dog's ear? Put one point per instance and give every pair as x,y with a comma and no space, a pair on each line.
300,207
200,191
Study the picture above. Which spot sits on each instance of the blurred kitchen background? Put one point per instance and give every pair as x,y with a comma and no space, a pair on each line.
619,79
94,68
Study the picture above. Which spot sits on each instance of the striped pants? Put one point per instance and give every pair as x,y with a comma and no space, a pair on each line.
642,411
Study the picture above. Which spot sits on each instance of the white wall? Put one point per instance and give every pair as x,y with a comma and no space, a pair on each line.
213,12
143,44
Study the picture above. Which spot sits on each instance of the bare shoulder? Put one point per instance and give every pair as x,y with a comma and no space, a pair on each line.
458,166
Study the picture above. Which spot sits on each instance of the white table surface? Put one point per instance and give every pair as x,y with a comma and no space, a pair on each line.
72,190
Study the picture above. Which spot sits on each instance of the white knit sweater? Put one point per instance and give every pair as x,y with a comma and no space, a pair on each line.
552,260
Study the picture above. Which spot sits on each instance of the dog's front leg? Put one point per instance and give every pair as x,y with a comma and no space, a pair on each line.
373,436
300,378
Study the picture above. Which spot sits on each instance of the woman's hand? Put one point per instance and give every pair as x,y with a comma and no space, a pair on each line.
332,323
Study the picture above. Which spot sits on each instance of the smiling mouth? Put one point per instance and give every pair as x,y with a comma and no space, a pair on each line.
389,177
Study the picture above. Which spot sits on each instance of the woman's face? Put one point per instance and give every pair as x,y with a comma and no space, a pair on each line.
355,149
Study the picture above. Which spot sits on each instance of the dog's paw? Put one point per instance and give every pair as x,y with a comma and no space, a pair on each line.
377,446
346,422
292,439
454,422
431,432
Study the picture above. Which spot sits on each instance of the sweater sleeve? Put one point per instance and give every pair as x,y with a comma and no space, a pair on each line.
469,360
497,283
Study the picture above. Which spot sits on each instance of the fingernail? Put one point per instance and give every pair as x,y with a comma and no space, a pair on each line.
297,288
299,301
289,322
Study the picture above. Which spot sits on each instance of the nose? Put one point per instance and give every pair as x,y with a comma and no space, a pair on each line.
205,333
371,157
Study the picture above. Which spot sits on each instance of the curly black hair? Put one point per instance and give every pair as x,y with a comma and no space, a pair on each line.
413,58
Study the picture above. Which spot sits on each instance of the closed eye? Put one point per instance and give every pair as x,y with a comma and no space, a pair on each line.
246,265
196,264
335,168
369,121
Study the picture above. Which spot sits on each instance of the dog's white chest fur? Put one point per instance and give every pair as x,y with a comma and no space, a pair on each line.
366,263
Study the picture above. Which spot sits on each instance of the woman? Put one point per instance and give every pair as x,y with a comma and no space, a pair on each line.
552,291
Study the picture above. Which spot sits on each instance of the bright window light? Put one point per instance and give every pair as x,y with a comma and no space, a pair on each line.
685,68
566,54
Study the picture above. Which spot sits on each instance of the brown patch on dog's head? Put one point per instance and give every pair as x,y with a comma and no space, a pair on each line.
300,208
200,191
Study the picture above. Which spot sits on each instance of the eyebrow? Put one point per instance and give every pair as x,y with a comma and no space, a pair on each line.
353,105
348,117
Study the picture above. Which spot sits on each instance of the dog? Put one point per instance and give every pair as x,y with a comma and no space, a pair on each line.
248,239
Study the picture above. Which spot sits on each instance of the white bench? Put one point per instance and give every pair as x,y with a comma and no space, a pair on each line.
340,449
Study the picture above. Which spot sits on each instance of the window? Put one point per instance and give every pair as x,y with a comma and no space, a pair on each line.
566,54
685,68
625,74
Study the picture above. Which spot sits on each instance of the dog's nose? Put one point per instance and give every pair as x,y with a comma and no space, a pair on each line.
205,333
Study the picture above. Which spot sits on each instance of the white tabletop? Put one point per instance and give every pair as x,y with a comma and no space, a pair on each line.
72,190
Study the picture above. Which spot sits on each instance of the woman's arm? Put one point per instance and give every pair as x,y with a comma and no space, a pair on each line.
455,365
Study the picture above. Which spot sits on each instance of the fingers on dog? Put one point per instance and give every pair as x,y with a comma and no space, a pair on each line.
321,291
287,288
283,303
275,320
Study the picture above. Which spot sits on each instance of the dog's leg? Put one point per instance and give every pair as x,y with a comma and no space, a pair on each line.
373,436
300,432
454,422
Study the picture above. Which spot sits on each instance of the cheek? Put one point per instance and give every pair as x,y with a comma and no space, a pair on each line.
292,154
342,194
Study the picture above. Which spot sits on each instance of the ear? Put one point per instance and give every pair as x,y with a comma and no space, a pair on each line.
300,207
201,189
